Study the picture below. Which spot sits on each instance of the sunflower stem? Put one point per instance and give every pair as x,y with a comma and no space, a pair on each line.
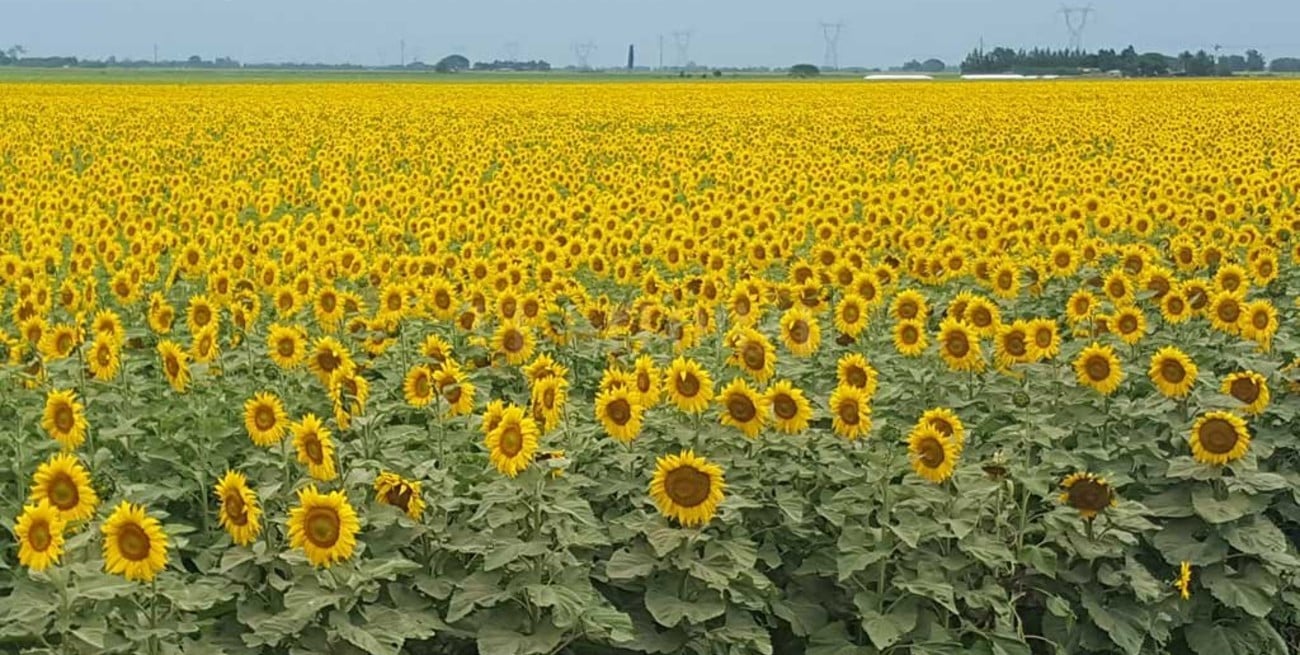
153,616
85,396
1024,517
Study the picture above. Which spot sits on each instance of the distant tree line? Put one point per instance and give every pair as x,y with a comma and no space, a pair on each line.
500,65
1127,62
928,66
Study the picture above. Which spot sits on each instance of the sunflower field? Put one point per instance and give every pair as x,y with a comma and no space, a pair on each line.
770,367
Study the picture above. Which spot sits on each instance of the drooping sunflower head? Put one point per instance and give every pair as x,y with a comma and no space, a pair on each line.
687,488
743,408
1087,493
790,408
1173,372
39,532
1219,438
239,512
854,370
1249,388
135,546
933,455
325,526
395,491
1098,366
66,486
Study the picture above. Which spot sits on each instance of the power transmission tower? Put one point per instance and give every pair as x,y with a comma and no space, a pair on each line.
682,39
1076,19
831,33
582,53
512,51
402,57
661,52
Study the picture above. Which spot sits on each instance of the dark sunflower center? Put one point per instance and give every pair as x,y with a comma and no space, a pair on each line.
133,542
1089,495
1172,371
1244,389
1128,324
399,495
322,527
285,347
452,394
264,417
957,344
327,361
687,486
1218,436
1231,282
1175,305
202,315
799,331
328,302
742,306
1228,311
688,385
38,536
514,341
754,355
1062,260
235,507
512,441
909,334
1015,344
851,313
741,408
619,411
942,426
104,356
64,419
1198,298
785,407
508,307
173,366
312,446
64,343
1005,279
643,381
908,309
441,299
981,317
1082,305
421,386
930,452
1260,320
1159,285
856,376
1098,368
394,302
848,412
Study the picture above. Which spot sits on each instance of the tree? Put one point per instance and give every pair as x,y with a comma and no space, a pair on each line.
1285,65
804,70
1254,60
933,65
451,64
911,65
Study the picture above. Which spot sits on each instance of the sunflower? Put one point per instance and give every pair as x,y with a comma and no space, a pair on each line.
800,331
647,377
349,391
543,366
1044,339
103,359
239,513
1184,581
455,388
743,408
176,366
909,305
441,300
1219,437
947,423
548,396
315,447
1226,311
1098,366
1260,322
513,342
395,491
328,308
1248,387
436,349
417,386
108,325
1006,280
39,533
200,314
616,378
205,346
64,418
959,347
981,316
1011,346
1087,493
851,315
134,544
934,456
265,418
513,442
851,415
1118,288
689,385
855,371
619,413
1230,278
66,486
687,488
59,341
910,339
1130,324
327,356
752,353
1174,308
790,407
1173,372
161,315
287,345
1081,306
324,525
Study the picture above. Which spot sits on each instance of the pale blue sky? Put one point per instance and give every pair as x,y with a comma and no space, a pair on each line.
725,32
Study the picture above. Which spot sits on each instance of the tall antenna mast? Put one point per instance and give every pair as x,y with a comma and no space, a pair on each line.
1076,19
512,51
682,38
582,53
831,33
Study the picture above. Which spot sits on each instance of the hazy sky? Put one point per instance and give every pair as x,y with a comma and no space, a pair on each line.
724,32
